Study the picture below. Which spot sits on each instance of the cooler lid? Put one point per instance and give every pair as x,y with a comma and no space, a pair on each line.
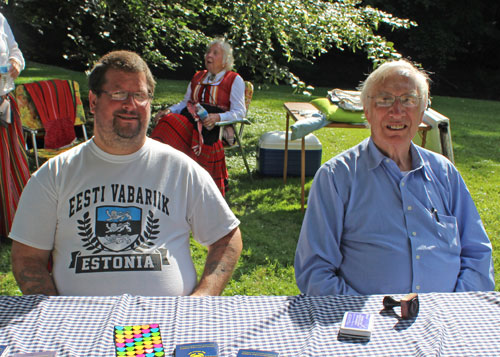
276,140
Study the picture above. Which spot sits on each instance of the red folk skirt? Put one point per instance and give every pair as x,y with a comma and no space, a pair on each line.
14,172
177,131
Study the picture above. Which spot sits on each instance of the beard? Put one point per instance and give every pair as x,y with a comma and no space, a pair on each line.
127,130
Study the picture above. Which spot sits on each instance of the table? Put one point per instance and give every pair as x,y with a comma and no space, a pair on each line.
465,324
298,111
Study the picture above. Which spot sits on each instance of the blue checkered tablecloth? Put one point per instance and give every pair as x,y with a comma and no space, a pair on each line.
454,324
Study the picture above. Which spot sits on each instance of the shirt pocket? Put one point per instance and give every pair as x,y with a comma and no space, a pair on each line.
447,232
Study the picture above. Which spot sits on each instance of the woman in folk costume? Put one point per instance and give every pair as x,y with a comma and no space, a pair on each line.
14,172
222,93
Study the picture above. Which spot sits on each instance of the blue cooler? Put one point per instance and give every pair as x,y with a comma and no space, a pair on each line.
271,154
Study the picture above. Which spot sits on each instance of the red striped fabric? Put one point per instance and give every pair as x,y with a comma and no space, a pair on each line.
177,131
55,104
14,172
218,95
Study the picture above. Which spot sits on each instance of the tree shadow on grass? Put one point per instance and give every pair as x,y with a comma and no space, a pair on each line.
271,219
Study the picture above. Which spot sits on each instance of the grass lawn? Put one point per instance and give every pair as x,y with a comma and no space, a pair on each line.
270,211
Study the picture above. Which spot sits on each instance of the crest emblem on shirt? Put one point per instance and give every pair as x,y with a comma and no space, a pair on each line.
118,229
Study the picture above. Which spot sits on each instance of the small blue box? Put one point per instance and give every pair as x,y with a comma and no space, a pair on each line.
271,154
207,349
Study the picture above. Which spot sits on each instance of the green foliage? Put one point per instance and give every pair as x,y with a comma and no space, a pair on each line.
266,35
447,30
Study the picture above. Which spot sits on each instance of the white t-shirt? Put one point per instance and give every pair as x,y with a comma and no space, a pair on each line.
121,224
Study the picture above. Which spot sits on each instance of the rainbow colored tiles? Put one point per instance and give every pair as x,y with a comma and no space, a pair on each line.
139,341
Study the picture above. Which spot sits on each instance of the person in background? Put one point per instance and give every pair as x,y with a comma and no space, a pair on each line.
15,171
387,216
116,212
221,92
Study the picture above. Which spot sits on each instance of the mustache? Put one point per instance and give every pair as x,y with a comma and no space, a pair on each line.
126,112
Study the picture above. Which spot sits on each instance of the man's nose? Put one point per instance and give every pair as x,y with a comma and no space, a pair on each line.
130,102
397,107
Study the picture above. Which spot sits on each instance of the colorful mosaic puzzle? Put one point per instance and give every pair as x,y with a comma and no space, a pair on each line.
139,341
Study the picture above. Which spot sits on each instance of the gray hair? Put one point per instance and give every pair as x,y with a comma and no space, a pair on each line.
401,67
228,52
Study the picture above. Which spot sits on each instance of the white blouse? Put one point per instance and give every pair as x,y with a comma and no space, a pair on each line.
8,45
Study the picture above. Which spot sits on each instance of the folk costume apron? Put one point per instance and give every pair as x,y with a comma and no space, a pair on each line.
182,131
14,172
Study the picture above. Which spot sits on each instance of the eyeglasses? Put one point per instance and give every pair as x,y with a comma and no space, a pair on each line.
387,100
140,98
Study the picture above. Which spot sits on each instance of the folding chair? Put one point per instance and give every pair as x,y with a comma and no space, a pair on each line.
238,126
48,107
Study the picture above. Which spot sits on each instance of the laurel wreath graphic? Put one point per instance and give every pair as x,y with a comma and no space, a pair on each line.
91,242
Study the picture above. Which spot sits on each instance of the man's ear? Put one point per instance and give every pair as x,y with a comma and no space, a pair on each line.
92,101
365,110
421,118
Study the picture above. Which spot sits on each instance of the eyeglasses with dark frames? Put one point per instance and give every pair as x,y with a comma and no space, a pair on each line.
140,98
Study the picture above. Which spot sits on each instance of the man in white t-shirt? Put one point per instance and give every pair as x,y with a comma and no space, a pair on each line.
114,215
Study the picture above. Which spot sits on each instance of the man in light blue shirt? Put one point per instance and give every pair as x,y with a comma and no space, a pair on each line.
387,216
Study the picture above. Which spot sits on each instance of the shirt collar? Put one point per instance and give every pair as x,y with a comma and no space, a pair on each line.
214,81
418,162
375,158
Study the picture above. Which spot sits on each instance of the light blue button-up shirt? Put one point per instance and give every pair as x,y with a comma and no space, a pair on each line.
371,229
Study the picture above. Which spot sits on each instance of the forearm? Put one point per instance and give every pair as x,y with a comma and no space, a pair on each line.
318,255
476,261
470,280
476,272
31,271
221,260
232,115
14,51
320,280
34,279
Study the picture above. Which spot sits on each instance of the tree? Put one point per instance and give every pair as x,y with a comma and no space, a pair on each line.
456,40
266,34
447,29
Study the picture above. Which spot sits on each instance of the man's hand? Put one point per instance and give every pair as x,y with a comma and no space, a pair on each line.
30,268
221,260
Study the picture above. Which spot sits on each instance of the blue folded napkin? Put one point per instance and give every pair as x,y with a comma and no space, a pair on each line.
305,126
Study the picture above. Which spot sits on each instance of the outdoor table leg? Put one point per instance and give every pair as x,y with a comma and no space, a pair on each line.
303,172
285,161
424,138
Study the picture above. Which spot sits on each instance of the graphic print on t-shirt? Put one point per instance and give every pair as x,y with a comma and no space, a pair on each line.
118,239
118,227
